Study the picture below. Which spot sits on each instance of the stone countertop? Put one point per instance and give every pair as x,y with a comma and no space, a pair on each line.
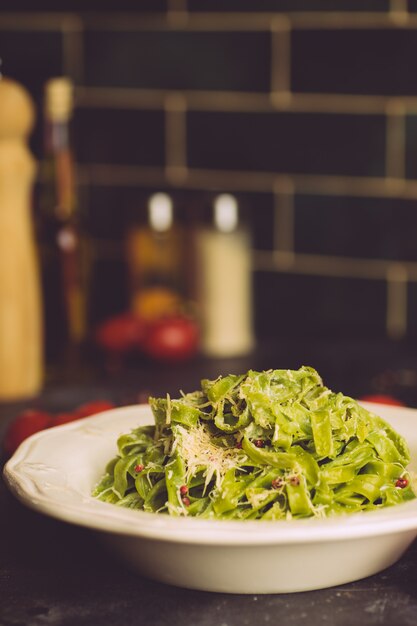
58,574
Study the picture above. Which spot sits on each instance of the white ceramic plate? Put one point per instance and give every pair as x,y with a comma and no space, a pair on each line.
55,471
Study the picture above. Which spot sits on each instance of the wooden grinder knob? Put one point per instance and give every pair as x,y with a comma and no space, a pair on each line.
17,114
20,301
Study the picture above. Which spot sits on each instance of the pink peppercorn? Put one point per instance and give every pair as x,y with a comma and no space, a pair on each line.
183,490
277,483
186,501
259,443
139,468
401,483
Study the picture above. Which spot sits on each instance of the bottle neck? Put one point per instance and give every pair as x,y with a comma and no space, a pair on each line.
56,136
60,164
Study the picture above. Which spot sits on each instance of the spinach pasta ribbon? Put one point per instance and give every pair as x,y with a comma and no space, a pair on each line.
268,445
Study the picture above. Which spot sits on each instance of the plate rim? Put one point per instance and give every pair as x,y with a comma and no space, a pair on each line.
142,525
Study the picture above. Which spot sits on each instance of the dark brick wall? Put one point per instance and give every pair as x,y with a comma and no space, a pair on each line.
305,109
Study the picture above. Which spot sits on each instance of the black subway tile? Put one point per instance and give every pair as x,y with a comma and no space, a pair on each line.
259,218
108,289
359,61
178,60
288,5
82,5
129,137
109,209
412,310
383,228
292,305
311,143
32,58
411,147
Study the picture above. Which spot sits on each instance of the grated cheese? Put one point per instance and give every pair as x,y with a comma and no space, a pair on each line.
196,447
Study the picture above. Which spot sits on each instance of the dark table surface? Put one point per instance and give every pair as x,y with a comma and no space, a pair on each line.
59,574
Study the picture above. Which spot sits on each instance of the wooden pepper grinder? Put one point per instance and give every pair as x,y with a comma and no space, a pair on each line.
21,356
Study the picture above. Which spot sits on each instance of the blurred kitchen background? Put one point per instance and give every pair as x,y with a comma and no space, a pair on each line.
297,119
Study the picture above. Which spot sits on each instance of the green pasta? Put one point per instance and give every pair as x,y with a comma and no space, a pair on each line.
268,445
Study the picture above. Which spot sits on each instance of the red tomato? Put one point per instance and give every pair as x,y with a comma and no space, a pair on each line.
24,425
382,399
120,333
91,408
172,339
85,410
64,418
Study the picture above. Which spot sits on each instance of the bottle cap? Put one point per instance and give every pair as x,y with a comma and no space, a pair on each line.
59,99
160,212
225,213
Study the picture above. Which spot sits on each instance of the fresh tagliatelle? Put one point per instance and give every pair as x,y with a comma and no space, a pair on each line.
267,445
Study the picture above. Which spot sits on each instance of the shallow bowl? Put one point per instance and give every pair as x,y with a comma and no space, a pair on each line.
55,471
